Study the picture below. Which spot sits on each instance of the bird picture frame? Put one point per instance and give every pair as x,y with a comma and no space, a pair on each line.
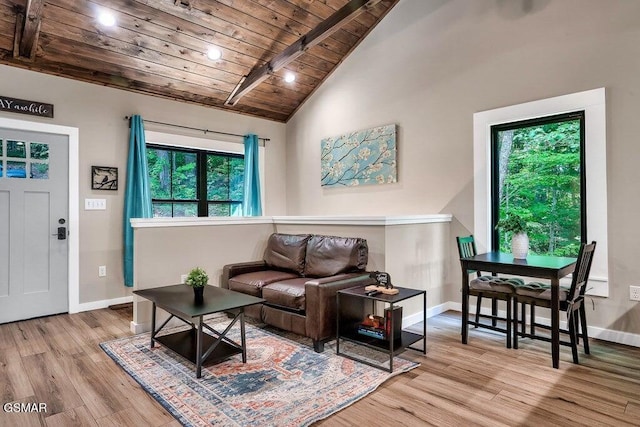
104,178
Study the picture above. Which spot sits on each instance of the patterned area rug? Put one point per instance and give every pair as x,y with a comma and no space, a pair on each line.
283,383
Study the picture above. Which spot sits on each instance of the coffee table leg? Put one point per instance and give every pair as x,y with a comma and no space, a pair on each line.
199,349
153,324
243,337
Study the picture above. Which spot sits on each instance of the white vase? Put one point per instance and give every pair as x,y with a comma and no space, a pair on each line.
520,245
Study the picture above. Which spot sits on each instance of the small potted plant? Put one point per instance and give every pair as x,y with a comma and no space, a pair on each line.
197,279
516,224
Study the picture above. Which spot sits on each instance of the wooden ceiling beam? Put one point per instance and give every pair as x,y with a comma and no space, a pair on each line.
312,38
28,30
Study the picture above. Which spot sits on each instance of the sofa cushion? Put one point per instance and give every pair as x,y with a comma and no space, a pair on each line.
286,252
331,255
252,283
286,293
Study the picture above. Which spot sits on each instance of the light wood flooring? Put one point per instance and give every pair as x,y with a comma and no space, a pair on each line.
56,360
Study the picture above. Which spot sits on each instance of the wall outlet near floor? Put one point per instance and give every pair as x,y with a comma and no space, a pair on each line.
102,271
183,278
634,293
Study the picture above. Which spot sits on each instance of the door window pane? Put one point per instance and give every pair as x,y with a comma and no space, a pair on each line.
16,149
16,169
39,151
40,170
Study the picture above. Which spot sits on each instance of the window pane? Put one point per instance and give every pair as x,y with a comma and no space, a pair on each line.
40,170
16,149
219,209
185,209
236,168
39,151
16,169
217,178
1,148
159,162
539,179
183,180
162,210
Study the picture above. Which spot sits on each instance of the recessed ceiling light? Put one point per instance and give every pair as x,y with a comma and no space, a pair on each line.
106,18
289,77
214,53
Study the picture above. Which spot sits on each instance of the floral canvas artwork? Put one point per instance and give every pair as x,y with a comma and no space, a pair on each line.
359,158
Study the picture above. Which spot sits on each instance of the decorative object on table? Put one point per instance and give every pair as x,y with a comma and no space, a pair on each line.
517,225
382,279
380,327
284,382
104,178
359,158
197,279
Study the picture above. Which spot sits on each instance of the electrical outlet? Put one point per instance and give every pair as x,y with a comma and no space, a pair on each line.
183,278
634,293
102,271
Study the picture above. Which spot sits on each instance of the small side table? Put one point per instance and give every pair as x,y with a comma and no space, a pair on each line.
194,344
354,304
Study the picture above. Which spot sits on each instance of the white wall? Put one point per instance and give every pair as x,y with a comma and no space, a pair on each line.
99,114
430,65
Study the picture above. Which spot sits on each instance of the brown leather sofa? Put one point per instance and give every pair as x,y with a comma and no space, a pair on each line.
299,278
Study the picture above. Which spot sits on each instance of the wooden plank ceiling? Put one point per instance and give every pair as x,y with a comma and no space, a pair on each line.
159,47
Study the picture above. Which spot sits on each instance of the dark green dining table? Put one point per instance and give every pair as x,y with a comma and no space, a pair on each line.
552,268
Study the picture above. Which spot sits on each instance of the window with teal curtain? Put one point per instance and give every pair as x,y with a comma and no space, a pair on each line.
252,203
137,198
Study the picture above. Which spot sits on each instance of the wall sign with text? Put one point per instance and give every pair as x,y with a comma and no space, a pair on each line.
23,106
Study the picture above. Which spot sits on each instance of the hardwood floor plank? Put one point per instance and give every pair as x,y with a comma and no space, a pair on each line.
99,398
78,417
15,384
28,337
50,383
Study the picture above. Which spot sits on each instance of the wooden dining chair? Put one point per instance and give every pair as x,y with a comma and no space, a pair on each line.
538,294
489,286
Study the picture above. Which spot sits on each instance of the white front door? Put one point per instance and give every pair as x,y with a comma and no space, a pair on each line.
34,194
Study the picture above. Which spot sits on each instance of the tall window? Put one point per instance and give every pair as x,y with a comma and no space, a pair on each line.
538,174
190,182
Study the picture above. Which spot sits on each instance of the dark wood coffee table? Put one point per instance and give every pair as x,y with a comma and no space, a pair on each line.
178,300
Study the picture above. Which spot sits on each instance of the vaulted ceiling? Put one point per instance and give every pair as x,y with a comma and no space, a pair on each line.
159,47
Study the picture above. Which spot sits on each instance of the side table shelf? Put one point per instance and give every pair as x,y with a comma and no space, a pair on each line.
353,305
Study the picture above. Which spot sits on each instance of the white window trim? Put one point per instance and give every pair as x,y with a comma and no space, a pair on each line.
594,105
174,140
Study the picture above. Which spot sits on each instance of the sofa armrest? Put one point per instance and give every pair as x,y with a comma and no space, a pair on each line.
231,270
320,297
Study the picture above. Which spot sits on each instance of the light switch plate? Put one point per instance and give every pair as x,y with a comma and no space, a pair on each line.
95,204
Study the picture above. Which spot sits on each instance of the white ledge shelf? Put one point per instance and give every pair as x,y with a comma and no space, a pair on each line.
309,220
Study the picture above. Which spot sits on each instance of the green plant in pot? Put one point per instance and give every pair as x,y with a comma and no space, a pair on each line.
197,279
517,225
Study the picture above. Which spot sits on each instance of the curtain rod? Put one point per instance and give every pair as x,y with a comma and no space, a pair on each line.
197,129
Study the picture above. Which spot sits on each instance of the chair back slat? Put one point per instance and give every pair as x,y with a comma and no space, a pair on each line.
582,270
467,248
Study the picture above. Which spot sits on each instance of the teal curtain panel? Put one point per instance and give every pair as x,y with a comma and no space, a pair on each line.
137,198
252,205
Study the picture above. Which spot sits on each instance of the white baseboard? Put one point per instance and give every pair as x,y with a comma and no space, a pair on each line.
617,337
96,305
